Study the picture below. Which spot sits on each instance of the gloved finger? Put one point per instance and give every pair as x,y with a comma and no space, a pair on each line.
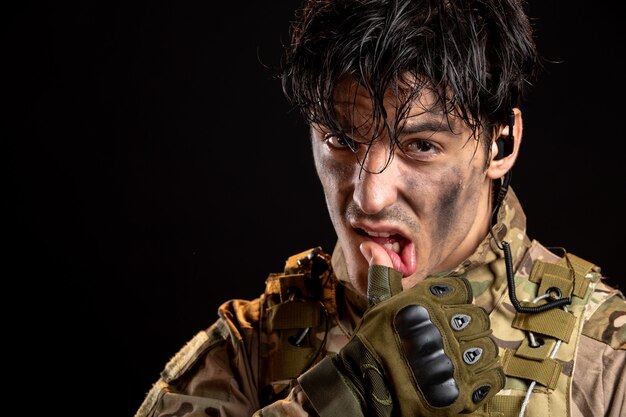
382,280
479,353
466,320
448,290
486,384
483,372
382,283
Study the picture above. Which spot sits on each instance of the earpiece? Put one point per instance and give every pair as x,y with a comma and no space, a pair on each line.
505,145
505,148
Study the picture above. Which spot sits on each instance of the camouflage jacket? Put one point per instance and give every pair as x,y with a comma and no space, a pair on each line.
221,371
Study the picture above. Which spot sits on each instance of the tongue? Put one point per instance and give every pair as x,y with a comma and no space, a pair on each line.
405,261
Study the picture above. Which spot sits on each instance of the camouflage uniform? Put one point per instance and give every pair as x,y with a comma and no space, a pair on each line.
223,371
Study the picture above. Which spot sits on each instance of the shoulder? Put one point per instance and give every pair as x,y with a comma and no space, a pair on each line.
209,369
236,318
607,321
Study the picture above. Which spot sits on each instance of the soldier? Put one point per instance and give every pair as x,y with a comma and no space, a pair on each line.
434,301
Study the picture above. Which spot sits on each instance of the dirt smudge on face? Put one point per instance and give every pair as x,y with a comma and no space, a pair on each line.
447,207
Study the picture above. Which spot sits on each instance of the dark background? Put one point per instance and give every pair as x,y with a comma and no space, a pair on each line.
155,171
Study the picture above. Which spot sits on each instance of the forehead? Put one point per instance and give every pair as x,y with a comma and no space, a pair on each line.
357,109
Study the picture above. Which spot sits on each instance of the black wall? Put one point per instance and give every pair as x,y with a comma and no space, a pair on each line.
155,170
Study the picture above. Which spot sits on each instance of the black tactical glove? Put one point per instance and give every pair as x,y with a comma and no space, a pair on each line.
423,352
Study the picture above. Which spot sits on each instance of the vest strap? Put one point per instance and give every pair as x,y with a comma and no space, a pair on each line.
293,315
505,406
555,322
569,275
582,268
545,372
292,360
539,353
286,286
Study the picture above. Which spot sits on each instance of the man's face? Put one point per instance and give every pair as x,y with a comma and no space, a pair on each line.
429,208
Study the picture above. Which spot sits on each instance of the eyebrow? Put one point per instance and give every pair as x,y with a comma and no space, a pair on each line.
428,125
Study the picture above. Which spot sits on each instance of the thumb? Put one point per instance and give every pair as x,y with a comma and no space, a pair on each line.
382,280
374,254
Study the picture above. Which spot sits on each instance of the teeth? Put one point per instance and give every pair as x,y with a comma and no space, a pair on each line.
378,234
395,246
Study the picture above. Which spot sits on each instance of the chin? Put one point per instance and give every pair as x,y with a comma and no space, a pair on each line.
410,281
358,277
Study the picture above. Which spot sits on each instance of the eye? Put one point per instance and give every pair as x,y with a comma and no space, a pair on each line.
420,149
340,141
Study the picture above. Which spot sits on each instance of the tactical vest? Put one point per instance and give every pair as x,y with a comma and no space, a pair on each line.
297,306
537,350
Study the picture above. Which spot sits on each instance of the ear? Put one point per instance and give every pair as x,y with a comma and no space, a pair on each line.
498,167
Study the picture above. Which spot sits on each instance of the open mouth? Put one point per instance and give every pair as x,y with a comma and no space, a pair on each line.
401,250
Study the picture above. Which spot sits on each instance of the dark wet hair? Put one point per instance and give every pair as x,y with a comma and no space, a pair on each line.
477,56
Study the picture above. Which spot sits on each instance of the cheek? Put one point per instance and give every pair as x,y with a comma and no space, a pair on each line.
447,207
457,197
334,174
433,195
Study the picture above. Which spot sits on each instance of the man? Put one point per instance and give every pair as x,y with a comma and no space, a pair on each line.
435,301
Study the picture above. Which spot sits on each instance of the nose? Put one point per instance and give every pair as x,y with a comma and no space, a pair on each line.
375,186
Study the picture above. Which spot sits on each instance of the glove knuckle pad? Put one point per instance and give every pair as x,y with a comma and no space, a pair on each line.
423,347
